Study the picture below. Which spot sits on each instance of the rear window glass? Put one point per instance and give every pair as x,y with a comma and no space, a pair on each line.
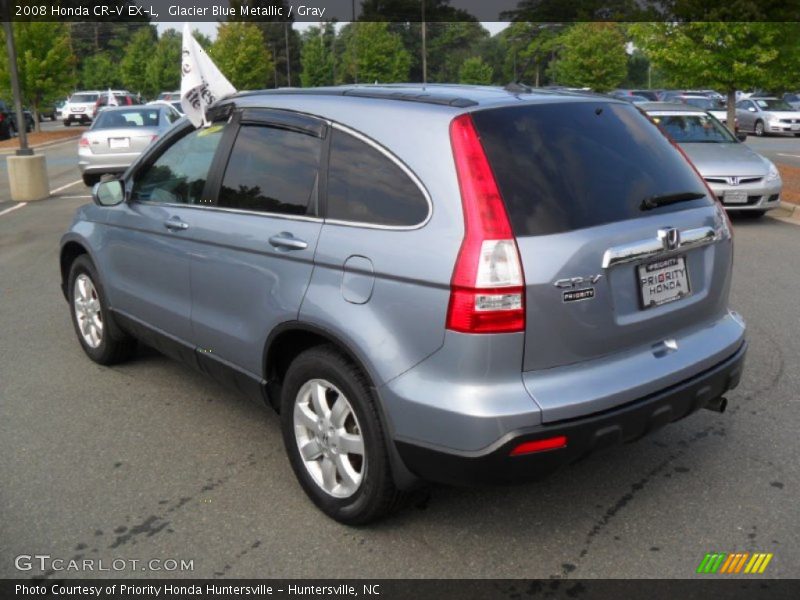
83,98
562,167
143,117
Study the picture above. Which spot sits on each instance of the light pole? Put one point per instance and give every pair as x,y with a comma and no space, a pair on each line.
424,48
12,63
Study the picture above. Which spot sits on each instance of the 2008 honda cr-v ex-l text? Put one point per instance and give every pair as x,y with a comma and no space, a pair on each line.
448,283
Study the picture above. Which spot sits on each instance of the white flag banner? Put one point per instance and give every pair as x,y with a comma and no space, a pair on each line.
201,81
112,99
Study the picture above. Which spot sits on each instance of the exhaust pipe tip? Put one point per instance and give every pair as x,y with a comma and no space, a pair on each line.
717,404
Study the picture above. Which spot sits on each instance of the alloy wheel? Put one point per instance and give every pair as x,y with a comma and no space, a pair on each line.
86,304
329,438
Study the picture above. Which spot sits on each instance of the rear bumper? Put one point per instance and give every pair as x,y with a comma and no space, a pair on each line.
585,435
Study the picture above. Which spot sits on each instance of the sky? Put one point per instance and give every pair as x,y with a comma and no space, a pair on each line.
209,28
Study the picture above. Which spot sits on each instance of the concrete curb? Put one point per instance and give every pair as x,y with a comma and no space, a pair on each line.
44,145
786,212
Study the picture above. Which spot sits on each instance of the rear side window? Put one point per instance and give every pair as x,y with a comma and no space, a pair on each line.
562,167
272,170
365,186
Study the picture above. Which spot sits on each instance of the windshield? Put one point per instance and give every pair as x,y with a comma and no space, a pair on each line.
694,129
774,105
83,98
141,117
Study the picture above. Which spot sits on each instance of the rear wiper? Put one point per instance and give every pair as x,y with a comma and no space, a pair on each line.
656,201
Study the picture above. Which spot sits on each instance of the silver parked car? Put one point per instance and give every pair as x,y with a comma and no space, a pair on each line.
764,116
118,136
742,179
505,284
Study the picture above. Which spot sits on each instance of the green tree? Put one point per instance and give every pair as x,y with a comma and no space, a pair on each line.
474,70
591,55
373,53
133,67
449,45
279,36
530,48
724,56
240,54
316,56
100,72
45,64
163,72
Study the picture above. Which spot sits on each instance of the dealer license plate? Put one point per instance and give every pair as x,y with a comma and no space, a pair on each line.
734,197
663,281
119,143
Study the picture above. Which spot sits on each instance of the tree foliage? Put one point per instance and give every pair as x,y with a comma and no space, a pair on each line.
100,72
474,71
723,56
317,56
163,70
133,67
591,55
241,55
373,53
45,63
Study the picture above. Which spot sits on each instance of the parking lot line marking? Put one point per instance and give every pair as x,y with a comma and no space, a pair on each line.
63,187
73,197
792,155
15,207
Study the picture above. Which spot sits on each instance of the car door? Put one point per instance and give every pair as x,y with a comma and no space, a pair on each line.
255,246
146,251
747,115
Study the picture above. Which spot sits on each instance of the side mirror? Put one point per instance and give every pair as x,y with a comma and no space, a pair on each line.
108,193
741,136
751,109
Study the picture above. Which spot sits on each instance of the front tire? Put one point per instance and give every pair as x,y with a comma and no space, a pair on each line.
334,439
90,180
100,337
759,128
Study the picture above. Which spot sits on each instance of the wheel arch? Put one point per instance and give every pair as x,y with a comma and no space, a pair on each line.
287,341
71,249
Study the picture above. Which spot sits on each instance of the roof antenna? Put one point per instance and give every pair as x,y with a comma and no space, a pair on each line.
516,87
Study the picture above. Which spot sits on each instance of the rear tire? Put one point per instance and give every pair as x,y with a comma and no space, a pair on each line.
327,408
67,123
100,337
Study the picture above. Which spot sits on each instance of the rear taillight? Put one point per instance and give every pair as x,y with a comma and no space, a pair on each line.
84,142
553,443
487,291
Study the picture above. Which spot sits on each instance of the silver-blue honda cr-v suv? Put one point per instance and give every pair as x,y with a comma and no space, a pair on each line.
446,283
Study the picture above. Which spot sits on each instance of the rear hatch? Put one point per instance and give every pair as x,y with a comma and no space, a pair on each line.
603,274
82,104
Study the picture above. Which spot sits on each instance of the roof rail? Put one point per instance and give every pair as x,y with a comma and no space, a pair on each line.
372,92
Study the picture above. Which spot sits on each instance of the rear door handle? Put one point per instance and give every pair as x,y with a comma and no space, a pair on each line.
287,241
175,224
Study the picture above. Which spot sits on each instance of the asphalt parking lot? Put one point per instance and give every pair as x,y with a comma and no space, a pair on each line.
150,460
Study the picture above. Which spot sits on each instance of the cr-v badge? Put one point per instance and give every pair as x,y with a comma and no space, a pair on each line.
577,287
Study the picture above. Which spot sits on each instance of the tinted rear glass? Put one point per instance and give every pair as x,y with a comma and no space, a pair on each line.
83,98
562,167
142,117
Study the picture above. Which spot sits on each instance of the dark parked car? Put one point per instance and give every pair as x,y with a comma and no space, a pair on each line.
498,288
8,120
